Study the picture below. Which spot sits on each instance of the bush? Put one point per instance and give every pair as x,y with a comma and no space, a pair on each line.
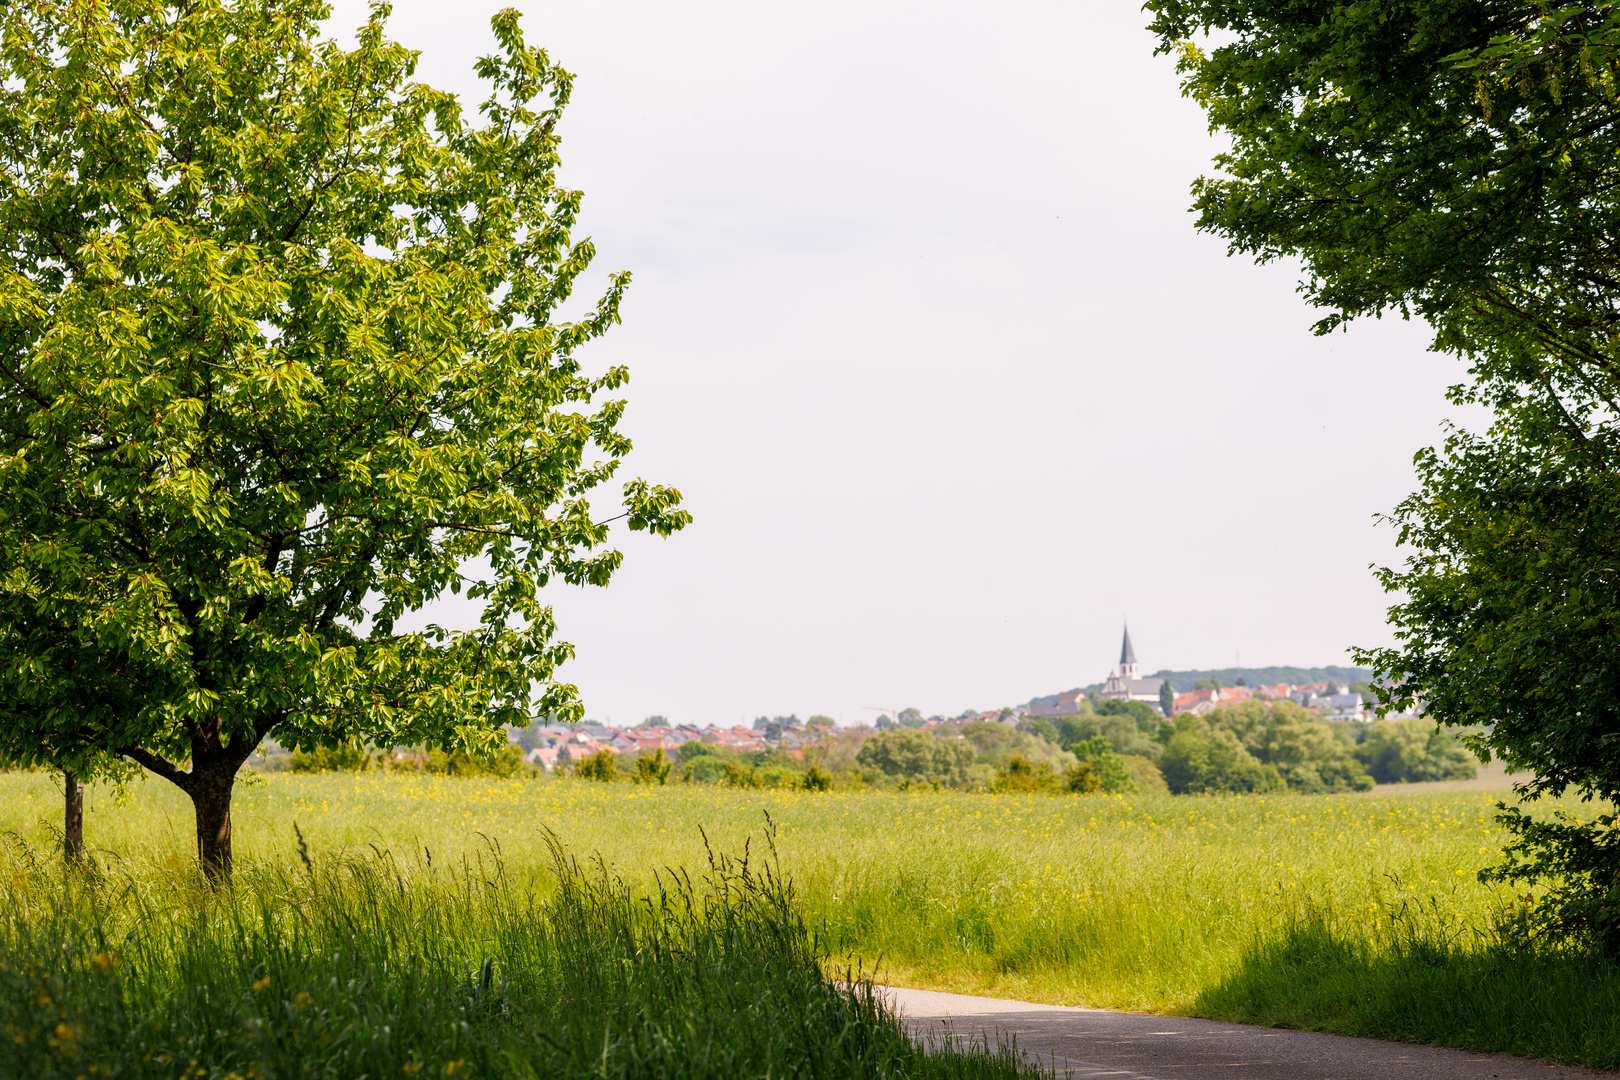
1019,776
505,762
345,758
704,769
1109,768
652,767
816,780
740,777
1081,779
602,765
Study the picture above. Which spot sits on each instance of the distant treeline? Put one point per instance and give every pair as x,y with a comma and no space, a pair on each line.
1182,681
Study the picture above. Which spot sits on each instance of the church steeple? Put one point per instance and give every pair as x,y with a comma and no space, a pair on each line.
1127,658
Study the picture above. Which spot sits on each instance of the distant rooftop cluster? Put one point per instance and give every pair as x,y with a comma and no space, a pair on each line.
1332,700
563,743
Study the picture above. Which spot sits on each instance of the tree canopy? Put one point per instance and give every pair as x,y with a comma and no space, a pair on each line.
282,360
1456,160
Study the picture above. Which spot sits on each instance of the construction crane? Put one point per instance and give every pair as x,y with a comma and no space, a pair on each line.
894,713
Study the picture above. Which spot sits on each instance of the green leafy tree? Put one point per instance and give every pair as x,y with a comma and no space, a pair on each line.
917,755
910,718
1041,728
1121,733
654,721
1456,163
280,357
695,748
1413,749
1167,698
1199,757
1310,755
1140,712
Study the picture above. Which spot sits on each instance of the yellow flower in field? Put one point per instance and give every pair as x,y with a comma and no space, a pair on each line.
411,1068
104,960
302,1000
453,1067
262,983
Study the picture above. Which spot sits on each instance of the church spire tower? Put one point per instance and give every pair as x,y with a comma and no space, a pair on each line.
1127,658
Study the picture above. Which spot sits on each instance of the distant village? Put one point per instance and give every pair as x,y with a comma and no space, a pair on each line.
551,746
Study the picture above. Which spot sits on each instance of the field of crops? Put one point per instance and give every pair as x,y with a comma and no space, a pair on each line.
1357,913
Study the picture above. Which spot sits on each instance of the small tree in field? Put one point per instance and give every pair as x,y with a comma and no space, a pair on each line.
280,357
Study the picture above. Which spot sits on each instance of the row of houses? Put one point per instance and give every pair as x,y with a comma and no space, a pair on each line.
1125,683
563,744
1331,701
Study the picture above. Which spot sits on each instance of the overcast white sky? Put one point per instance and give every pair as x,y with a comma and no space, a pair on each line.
921,328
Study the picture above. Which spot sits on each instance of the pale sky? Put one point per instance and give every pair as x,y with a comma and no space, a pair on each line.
921,328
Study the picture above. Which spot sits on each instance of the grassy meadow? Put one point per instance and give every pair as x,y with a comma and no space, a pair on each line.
1356,913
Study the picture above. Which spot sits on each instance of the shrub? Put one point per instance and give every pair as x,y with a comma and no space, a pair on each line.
602,765
1081,779
704,769
816,780
1019,776
653,768
1109,768
505,762
345,758
737,776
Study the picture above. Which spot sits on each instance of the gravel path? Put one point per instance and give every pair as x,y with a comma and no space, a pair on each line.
1093,1043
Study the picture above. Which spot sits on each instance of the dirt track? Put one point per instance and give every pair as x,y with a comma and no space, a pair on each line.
1092,1043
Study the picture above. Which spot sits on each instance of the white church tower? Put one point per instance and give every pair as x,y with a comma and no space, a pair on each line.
1126,683
1127,659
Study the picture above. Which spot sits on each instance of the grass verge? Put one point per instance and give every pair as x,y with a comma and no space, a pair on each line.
367,965
1199,905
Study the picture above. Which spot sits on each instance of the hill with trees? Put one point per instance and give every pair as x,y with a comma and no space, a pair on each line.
1182,681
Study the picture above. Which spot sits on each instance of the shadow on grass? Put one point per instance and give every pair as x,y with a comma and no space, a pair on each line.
1560,1006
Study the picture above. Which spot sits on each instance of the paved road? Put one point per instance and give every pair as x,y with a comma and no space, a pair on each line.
1091,1044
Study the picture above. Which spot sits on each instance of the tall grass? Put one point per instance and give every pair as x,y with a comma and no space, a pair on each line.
1207,905
364,964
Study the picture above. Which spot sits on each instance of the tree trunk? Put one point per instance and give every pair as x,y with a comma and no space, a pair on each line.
210,792
72,818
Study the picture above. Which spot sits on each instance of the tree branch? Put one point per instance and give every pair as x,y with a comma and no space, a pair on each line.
152,762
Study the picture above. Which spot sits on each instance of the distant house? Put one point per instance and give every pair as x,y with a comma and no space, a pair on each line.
1066,705
1194,701
1126,683
543,756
